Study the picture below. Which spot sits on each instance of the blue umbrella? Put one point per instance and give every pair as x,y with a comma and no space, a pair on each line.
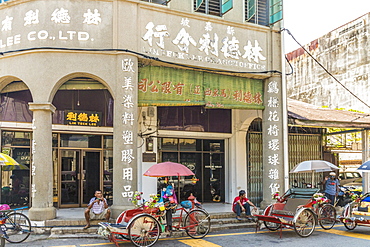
365,167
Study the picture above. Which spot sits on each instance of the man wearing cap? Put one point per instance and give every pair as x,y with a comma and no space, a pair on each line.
331,187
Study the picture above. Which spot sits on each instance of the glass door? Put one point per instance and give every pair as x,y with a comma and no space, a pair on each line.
70,177
80,176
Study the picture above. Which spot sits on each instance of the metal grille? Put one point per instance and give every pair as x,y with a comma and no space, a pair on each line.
261,15
301,148
254,167
213,7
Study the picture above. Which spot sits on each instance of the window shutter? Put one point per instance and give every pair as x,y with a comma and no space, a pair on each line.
198,3
276,11
251,9
226,6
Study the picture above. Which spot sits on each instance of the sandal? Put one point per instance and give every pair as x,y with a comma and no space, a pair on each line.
86,227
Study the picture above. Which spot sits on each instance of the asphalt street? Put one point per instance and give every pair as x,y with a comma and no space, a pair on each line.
338,237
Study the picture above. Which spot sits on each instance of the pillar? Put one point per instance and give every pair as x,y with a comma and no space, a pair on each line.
42,165
273,140
125,159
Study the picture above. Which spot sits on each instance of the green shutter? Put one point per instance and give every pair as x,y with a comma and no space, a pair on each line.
198,3
251,9
226,6
276,11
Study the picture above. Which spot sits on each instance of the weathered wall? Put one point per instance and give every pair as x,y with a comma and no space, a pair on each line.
344,53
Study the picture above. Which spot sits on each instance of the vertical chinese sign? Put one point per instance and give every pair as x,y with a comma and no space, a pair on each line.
273,168
129,104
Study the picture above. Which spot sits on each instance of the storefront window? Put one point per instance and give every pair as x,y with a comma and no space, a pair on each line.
108,141
14,105
15,179
168,144
80,141
194,118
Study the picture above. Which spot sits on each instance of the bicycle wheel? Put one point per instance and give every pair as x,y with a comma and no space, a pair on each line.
18,227
327,216
144,230
270,225
350,224
197,223
304,222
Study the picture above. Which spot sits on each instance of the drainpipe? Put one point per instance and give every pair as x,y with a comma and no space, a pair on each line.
365,157
285,112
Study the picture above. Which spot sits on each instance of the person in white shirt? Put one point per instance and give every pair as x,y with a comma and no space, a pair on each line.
97,209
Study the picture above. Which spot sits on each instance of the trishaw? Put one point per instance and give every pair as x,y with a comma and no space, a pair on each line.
143,227
298,209
356,213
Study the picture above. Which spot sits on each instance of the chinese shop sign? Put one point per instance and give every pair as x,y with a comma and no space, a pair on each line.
82,118
161,86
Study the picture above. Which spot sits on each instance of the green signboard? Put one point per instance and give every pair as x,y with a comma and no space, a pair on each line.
162,86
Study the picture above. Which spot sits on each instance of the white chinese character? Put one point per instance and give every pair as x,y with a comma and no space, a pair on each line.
274,188
274,144
127,101
127,65
127,137
230,48
184,22
33,170
160,32
230,30
273,87
273,174
253,53
33,190
7,24
92,18
127,187
31,17
183,40
273,160
273,130
33,146
273,102
209,45
61,16
273,116
208,26
128,118
128,83
127,173
127,156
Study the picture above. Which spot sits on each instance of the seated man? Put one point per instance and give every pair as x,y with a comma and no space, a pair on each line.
97,209
242,204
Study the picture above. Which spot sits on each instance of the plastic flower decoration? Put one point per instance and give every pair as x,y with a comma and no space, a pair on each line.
137,199
355,197
152,202
319,198
276,196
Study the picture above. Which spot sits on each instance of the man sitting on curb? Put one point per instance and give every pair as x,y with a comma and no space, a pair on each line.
97,209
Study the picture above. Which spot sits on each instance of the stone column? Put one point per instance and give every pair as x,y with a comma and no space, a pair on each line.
125,161
42,164
272,140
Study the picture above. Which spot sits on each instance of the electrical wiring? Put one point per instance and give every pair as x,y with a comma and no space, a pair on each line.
142,55
322,66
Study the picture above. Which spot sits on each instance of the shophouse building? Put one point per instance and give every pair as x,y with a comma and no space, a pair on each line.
95,92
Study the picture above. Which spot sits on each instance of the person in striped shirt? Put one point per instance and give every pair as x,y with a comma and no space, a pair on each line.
97,209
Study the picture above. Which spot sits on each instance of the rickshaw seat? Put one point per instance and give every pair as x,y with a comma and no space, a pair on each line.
127,215
301,192
364,204
290,206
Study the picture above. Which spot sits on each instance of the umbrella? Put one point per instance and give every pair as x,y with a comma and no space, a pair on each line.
314,166
365,167
6,160
15,167
167,169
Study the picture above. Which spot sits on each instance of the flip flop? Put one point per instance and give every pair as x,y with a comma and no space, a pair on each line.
86,227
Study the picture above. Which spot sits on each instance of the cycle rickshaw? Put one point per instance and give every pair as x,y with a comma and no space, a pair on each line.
143,226
299,209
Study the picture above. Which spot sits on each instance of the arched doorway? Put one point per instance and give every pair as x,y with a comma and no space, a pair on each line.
82,153
15,181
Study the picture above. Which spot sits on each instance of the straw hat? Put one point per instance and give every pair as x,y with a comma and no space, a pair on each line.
332,174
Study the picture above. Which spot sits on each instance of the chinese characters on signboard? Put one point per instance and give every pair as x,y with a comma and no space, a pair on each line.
128,121
210,47
273,133
82,118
